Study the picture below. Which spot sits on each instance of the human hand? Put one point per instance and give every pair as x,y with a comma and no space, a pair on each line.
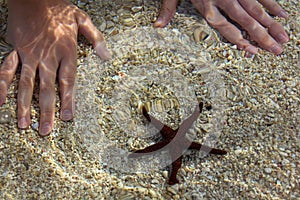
268,33
44,37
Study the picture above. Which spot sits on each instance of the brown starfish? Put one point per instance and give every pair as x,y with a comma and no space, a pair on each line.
175,141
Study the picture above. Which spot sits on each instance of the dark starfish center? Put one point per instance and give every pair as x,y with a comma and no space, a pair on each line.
175,141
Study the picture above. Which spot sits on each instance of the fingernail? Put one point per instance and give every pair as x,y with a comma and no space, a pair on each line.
102,51
282,38
66,115
283,14
249,55
45,129
159,23
23,123
276,49
106,55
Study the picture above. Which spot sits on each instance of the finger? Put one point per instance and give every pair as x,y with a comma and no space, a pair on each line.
258,13
228,30
7,72
26,85
67,73
167,12
274,8
278,32
257,32
87,28
47,73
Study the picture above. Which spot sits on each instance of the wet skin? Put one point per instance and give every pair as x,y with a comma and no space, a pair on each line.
45,44
249,14
45,41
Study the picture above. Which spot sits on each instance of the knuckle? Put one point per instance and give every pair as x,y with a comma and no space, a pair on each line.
249,24
67,81
4,73
228,3
8,62
23,105
257,11
3,90
264,37
210,18
67,100
26,81
46,85
275,26
274,6
47,112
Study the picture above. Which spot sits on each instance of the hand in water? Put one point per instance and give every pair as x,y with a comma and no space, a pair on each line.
268,33
44,37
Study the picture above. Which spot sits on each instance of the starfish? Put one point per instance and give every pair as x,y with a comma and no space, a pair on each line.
175,141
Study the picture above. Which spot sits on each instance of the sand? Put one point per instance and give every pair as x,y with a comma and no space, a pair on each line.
260,127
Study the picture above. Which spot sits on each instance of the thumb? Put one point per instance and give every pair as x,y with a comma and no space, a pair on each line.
87,28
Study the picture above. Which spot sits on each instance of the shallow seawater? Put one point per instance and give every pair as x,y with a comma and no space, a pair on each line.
145,70
251,109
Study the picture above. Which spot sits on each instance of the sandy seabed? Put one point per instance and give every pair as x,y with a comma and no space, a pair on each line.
261,133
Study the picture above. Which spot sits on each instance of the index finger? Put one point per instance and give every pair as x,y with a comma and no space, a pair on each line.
274,8
255,30
228,30
7,72
257,12
26,85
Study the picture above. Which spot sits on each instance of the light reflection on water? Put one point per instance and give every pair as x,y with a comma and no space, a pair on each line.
143,69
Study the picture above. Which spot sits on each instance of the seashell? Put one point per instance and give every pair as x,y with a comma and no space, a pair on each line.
162,105
205,34
109,24
153,193
112,31
200,34
136,8
103,26
165,174
128,22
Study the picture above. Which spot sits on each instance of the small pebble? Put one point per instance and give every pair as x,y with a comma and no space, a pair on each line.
5,117
35,126
165,174
268,170
172,190
261,135
152,193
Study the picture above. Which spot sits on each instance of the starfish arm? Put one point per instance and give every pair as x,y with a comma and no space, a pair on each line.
188,122
207,149
195,146
218,151
149,149
159,125
165,130
175,167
